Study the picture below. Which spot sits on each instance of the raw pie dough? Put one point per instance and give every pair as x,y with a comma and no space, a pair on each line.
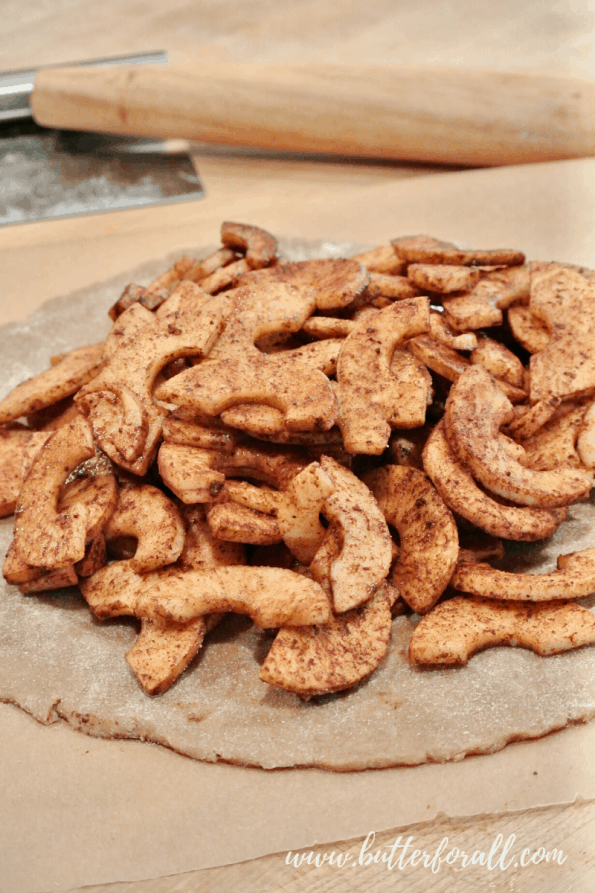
59,664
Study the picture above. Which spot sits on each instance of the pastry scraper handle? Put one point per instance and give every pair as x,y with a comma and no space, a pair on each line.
414,113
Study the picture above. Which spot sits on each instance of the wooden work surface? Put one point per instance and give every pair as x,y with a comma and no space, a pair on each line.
79,251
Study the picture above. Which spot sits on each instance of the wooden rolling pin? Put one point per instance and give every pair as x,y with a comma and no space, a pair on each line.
452,116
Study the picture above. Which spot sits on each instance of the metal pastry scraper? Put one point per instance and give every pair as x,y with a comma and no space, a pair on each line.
49,173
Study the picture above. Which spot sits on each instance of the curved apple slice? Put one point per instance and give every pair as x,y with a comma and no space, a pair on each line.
119,401
429,545
260,247
499,361
529,331
574,578
565,301
197,475
236,523
163,650
366,550
475,409
298,512
428,250
18,448
442,278
382,259
44,536
315,660
271,596
65,377
372,399
146,513
461,494
331,282
458,628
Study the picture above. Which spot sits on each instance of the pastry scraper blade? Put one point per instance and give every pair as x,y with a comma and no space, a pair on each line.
47,173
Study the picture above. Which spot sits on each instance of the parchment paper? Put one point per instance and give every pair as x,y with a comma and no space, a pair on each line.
81,810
